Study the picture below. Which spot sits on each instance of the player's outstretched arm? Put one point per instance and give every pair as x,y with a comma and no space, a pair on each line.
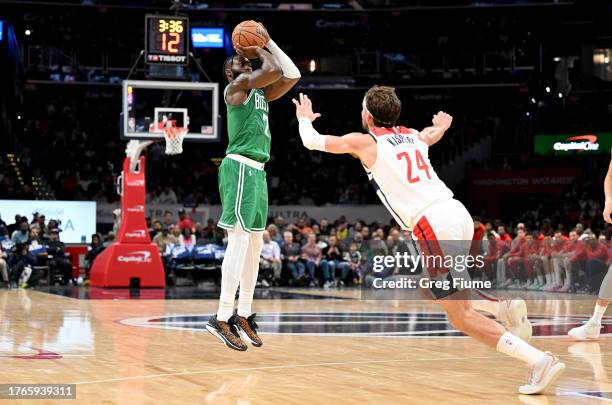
291,74
608,192
269,72
356,144
441,122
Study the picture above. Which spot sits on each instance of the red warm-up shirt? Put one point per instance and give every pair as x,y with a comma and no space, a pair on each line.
598,252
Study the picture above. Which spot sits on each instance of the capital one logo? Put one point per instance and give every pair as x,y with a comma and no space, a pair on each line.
136,183
136,208
136,234
136,257
580,143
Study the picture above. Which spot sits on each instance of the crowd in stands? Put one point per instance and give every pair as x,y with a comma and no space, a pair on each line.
329,254
29,249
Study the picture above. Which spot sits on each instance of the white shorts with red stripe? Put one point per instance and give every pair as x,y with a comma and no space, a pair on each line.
444,229
445,220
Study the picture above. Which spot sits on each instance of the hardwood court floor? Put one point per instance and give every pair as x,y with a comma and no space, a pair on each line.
317,349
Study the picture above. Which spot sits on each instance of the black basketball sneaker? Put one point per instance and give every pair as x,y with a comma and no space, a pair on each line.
247,327
226,332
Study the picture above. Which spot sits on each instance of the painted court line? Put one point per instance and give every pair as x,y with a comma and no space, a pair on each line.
288,366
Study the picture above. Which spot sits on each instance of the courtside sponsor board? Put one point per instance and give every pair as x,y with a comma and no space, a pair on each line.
571,144
77,218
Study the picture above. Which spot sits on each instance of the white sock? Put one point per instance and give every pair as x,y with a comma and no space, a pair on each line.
248,278
598,314
519,349
233,263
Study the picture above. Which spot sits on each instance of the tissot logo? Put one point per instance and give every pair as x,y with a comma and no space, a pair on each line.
136,183
136,234
136,257
580,143
136,208
167,58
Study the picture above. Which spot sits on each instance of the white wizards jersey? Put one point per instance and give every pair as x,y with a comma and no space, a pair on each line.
402,175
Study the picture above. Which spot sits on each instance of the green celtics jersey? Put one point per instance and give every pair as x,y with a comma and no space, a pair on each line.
247,127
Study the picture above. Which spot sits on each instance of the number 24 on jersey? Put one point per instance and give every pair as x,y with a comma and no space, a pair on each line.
420,165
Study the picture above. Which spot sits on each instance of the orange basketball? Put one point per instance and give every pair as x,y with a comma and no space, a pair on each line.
250,33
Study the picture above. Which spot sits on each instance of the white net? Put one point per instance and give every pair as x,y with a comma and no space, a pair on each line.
174,140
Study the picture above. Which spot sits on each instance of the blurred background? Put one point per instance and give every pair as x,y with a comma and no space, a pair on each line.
519,77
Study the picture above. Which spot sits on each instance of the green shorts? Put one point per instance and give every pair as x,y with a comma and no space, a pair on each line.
244,196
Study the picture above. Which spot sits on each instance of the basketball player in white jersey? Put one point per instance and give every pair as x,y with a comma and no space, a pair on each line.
396,159
592,327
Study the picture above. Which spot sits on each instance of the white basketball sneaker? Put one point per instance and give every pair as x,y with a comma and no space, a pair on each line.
514,315
543,374
589,330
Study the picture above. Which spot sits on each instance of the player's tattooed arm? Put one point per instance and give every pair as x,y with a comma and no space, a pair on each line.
291,74
441,122
269,72
608,193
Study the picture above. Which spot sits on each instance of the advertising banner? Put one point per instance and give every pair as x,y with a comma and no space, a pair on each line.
77,218
571,144
291,213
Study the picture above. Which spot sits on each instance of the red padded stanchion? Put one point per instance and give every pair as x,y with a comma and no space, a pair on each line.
132,255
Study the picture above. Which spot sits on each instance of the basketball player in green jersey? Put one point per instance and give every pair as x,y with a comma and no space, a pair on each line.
242,183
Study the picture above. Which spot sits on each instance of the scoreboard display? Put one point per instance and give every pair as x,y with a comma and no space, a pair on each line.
166,40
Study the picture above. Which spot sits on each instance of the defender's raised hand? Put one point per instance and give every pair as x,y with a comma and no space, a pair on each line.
303,108
442,120
607,212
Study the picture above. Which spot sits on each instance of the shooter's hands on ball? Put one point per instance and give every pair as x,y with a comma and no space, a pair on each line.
249,52
303,108
442,120
607,212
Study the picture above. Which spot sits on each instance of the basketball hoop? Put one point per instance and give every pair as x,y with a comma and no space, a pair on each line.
174,139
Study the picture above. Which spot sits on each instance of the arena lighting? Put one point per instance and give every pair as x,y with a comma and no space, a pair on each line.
313,65
28,33
547,89
533,100
557,59
560,95
528,113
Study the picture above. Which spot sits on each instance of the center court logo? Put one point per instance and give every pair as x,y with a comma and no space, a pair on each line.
362,324
136,257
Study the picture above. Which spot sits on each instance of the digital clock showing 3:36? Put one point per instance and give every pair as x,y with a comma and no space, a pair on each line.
167,40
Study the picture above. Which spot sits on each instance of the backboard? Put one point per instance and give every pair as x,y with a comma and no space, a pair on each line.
150,106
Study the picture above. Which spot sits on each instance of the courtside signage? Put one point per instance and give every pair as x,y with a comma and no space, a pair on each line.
207,37
78,218
588,142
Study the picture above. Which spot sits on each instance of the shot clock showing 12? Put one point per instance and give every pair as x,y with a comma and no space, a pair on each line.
166,39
